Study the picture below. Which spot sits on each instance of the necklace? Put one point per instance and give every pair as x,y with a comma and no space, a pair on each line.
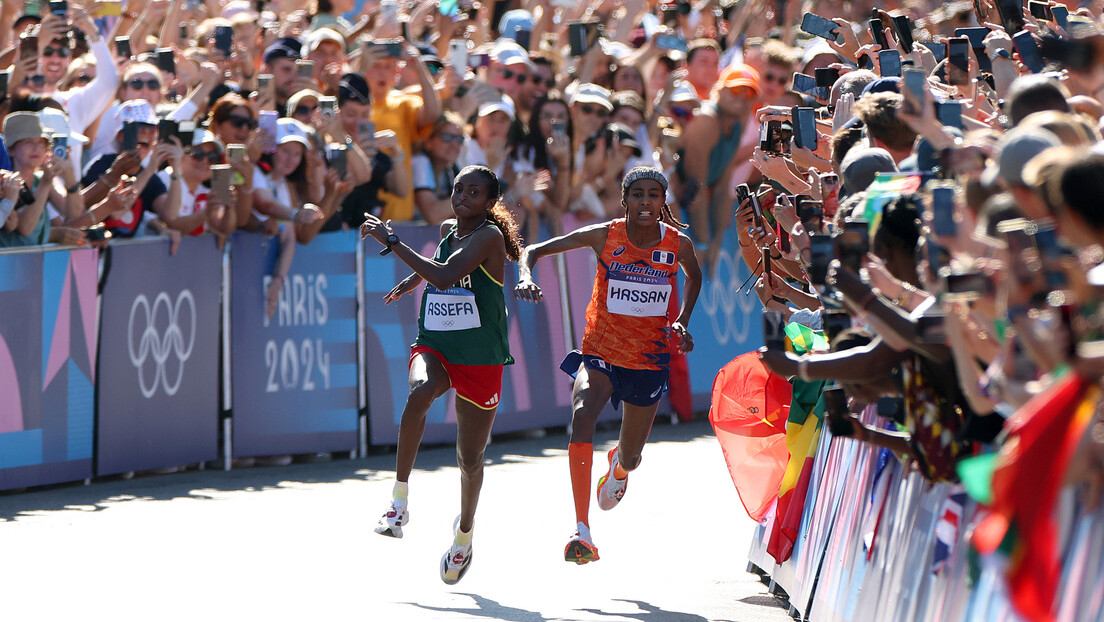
456,233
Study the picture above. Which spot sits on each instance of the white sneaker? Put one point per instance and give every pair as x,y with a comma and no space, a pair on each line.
455,563
392,521
580,548
610,489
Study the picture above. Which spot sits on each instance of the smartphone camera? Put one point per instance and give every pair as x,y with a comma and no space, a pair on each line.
774,330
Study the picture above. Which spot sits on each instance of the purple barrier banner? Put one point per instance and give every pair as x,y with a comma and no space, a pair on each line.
158,398
294,376
48,343
535,393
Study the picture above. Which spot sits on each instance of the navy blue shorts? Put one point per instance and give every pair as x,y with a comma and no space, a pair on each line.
639,387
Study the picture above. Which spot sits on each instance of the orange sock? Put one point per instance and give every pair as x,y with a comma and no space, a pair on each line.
618,472
581,456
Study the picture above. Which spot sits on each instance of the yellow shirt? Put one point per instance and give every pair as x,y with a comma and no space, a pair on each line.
398,112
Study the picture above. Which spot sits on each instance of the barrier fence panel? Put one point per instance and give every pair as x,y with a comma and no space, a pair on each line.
157,403
48,342
294,376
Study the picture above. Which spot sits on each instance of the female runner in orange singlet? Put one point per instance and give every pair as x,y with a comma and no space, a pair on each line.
626,352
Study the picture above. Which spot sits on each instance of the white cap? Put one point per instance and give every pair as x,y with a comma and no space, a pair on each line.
136,111
503,104
508,52
683,93
54,121
592,93
203,136
290,130
315,38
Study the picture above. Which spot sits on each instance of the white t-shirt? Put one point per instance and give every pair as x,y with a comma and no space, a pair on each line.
277,190
190,202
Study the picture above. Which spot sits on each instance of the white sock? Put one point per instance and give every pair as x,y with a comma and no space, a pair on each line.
400,492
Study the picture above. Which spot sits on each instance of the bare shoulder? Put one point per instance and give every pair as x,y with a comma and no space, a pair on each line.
446,226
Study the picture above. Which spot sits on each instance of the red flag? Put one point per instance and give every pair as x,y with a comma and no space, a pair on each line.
749,409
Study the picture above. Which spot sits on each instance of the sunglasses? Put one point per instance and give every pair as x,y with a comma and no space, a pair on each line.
682,113
598,110
305,110
521,77
549,83
451,138
240,122
83,79
777,79
138,84
212,157
36,80
62,52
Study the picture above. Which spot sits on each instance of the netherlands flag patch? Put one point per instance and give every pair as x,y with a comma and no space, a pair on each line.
663,257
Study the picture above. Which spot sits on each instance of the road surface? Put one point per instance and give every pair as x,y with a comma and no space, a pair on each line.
296,542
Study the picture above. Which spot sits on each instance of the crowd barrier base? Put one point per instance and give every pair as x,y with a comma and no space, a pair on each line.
872,546
134,359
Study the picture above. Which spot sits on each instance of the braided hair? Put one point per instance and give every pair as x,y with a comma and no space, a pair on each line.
498,215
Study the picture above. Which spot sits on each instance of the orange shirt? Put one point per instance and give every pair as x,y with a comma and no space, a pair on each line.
627,316
398,112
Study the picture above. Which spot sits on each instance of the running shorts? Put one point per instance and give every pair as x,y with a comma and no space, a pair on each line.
478,384
639,387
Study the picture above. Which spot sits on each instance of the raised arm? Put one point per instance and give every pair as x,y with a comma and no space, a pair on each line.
485,243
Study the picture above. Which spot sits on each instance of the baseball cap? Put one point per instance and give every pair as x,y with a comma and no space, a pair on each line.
284,47
1016,149
502,104
512,21
861,165
317,37
290,130
21,126
589,92
54,121
891,84
737,76
294,101
625,136
628,99
507,52
204,136
683,93
135,111
353,86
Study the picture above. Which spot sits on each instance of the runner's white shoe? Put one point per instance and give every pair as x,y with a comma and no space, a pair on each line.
392,521
580,548
455,563
610,489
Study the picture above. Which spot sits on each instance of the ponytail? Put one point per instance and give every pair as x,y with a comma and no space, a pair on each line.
498,215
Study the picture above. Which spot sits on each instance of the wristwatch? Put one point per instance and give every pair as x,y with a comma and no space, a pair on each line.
392,239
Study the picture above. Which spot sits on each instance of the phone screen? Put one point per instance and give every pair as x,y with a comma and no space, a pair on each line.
915,85
803,83
903,26
825,77
890,63
820,27
1029,51
877,30
458,55
852,244
821,253
835,406
958,61
166,128
949,113
1011,15
943,222
804,127
774,333
969,283
130,136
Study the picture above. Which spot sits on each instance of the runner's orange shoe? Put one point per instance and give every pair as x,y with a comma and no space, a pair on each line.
580,549
610,489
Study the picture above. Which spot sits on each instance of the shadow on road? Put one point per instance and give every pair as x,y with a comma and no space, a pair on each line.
208,484
651,613
487,608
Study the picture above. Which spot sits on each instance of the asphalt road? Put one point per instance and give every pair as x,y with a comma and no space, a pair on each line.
296,543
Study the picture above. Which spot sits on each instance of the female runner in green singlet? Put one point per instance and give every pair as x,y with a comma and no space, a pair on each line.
461,343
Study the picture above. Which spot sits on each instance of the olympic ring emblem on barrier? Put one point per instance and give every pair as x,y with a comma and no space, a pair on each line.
159,346
721,298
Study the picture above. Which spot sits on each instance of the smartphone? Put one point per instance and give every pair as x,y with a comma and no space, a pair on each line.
811,215
938,50
167,128
266,120
59,7
890,63
1029,51
1011,15
938,258
304,68
671,42
891,408
186,133
958,61
915,82
877,30
835,322
825,77
774,330
835,407
942,201
1040,10
130,136
804,83
327,106
902,26
821,27
337,158
165,61
769,135
366,129
523,38
559,128
1051,253
28,46
852,244
235,152
949,113
59,144
804,127
975,35
122,47
5,80
581,36
1061,16
220,182
970,284
821,253
829,184
224,39
931,329
265,84
458,55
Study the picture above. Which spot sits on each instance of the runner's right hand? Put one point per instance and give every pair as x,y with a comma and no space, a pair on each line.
406,286
528,290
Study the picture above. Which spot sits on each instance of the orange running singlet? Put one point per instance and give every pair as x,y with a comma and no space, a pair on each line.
627,317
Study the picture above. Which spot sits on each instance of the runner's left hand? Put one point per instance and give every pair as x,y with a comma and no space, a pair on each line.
686,342
526,289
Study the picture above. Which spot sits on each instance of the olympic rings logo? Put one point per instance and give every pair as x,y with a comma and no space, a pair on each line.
159,346
721,298
448,323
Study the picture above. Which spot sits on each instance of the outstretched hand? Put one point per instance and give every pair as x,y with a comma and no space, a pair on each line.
526,289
